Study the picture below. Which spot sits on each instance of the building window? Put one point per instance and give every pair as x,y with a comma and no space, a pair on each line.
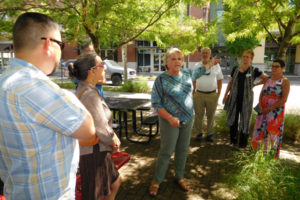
150,56
144,43
144,56
220,15
108,54
204,13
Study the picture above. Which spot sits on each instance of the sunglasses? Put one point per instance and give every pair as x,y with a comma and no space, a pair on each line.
60,43
276,66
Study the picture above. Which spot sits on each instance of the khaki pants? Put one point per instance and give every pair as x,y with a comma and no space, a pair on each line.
205,103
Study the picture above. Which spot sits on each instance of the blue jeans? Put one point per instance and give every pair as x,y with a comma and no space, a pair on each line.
172,140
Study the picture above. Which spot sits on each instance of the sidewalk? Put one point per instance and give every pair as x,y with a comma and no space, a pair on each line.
292,104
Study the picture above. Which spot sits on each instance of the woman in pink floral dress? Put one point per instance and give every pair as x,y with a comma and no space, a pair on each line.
270,119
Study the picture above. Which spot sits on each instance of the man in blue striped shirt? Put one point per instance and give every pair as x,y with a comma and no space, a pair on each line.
39,122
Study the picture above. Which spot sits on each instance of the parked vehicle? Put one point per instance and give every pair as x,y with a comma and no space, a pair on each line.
114,72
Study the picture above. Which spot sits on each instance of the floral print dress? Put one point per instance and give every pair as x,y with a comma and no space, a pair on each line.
268,128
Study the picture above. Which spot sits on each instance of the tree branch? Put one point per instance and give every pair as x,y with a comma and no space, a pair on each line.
269,33
296,33
280,25
151,22
265,27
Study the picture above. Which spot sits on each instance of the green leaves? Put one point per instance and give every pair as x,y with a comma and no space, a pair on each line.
239,45
265,18
119,22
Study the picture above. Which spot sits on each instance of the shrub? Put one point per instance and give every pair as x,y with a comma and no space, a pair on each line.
220,122
255,176
292,126
220,125
138,87
66,85
129,86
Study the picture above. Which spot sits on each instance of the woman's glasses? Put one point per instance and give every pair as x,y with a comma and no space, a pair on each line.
276,66
60,43
101,65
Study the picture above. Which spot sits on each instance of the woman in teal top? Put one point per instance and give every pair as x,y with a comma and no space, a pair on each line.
173,100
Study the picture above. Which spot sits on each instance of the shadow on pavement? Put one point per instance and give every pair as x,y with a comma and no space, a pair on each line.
206,164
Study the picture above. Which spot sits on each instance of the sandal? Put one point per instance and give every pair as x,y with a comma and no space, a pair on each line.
182,184
153,189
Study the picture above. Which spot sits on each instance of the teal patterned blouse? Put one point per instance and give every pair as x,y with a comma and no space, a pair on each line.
174,93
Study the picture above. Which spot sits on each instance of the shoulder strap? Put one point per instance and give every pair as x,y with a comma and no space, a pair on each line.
81,93
93,141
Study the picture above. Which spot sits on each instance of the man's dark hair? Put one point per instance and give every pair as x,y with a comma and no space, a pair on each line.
281,62
29,28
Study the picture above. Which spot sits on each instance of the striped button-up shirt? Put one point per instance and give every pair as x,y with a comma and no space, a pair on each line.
38,156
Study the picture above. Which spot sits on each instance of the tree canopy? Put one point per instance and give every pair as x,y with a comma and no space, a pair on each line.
276,19
239,45
117,22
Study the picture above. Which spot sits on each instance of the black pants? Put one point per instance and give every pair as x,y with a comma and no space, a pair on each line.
235,135
1,187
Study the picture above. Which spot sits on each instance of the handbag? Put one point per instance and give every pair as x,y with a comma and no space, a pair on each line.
120,158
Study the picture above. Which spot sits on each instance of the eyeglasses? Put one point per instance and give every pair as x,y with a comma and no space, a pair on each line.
101,64
60,43
276,66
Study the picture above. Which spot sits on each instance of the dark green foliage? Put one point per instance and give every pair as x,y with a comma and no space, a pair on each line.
239,45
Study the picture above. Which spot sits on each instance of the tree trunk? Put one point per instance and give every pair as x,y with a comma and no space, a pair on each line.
286,39
96,45
283,47
124,57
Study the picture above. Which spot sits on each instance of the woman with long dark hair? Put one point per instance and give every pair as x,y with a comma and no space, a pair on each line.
99,176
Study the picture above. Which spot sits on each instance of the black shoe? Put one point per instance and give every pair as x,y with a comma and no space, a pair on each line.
209,138
199,137
242,146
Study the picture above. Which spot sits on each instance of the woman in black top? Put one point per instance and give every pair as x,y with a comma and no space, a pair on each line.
238,99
